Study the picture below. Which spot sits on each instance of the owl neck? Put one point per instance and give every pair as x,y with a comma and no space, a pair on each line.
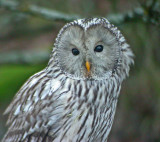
91,105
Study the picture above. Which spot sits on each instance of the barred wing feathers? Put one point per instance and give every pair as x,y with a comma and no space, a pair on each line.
31,108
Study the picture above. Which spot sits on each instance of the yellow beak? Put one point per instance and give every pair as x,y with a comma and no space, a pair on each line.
88,66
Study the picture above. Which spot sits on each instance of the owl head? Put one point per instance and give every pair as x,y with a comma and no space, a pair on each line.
91,49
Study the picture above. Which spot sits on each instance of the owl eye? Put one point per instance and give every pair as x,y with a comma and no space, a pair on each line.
98,48
75,51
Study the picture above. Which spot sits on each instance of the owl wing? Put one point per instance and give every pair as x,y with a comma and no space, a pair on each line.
31,109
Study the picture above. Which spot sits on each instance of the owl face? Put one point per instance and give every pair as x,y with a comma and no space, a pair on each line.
87,53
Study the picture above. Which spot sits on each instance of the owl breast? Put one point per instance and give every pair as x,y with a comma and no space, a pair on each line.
88,110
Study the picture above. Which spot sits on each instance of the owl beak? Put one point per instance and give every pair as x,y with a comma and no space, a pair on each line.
88,66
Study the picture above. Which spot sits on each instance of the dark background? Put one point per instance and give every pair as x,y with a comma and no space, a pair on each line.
27,33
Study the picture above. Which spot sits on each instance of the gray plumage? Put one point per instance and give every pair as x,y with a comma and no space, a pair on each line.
74,98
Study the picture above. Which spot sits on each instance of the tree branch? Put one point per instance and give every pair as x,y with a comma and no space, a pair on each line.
37,11
146,13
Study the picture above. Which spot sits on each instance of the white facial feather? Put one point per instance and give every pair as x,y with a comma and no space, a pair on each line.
85,35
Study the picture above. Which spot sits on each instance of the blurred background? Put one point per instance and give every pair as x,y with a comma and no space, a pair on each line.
27,33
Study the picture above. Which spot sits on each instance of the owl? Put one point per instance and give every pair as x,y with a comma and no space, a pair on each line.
74,98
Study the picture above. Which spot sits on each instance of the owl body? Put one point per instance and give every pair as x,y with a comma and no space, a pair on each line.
74,98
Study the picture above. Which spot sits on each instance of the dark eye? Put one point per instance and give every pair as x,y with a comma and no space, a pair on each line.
75,51
98,48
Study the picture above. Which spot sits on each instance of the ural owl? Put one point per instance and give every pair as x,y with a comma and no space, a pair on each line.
74,98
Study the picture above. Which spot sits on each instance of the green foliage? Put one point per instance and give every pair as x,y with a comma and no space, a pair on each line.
12,77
